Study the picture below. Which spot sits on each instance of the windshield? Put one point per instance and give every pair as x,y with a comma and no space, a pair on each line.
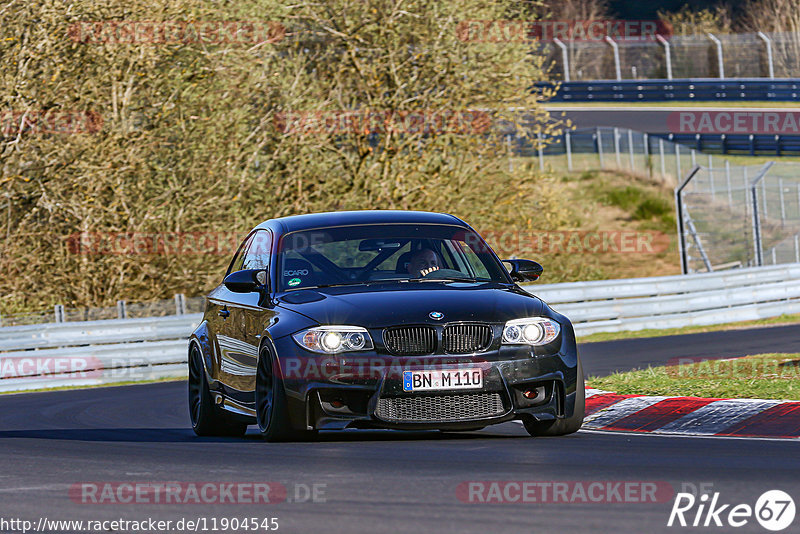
349,255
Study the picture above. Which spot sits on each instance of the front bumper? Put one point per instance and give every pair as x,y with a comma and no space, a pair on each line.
365,389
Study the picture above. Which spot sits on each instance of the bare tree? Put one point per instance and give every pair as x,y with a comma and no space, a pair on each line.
782,19
194,142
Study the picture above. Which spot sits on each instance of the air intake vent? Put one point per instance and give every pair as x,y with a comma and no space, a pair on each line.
410,340
440,408
466,338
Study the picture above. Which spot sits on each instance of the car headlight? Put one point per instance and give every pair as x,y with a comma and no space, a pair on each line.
530,331
334,339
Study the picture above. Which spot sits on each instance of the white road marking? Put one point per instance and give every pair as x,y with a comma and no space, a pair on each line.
717,416
619,410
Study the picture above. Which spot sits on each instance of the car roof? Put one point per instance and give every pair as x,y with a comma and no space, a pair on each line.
296,223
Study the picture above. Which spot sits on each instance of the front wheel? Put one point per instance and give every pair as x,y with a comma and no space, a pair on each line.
271,412
207,419
561,427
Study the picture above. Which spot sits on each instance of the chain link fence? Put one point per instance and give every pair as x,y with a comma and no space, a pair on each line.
739,216
729,215
745,55
619,149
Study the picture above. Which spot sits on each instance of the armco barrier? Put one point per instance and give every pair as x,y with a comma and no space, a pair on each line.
142,349
701,90
676,301
94,352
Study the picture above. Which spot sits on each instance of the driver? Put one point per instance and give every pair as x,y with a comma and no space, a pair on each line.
423,261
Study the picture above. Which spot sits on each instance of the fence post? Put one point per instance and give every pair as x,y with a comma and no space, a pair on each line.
678,160
617,67
728,180
510,158
680,220
541,151
564,57
568,145
770,64
122,311
600,148
720,63
616,147
59,312
648,163
663,162
630,148
783,206
711,176
759,253
796,248
666,55
180,304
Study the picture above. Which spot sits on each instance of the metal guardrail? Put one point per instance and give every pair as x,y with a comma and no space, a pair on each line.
662,285
121,350
676,301
102,352
701,90
738,144
96,332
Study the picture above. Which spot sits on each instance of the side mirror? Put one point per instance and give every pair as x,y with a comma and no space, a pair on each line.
246,281
524,270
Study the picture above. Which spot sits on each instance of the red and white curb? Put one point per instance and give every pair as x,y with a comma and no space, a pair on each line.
692,415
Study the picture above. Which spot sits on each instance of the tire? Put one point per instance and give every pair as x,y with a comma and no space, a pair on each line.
207,419
272,414
561,427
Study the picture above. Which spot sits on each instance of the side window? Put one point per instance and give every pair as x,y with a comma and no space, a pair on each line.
474,260
238,258
258,253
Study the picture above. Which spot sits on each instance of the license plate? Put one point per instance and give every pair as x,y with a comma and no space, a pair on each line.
438,380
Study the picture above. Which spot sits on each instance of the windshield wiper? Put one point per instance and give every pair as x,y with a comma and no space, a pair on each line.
342,284
447,279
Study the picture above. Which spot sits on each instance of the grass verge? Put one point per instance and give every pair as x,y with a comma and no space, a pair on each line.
763,376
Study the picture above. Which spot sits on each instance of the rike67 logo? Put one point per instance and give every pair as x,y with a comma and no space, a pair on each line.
774,510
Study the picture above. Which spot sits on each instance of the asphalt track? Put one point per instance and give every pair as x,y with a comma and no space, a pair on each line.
381,481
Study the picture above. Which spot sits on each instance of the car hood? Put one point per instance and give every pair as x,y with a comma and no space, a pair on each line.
393,304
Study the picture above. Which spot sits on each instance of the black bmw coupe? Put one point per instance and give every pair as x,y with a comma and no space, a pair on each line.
379,319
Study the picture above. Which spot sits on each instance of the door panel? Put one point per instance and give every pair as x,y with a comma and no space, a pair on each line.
245,325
